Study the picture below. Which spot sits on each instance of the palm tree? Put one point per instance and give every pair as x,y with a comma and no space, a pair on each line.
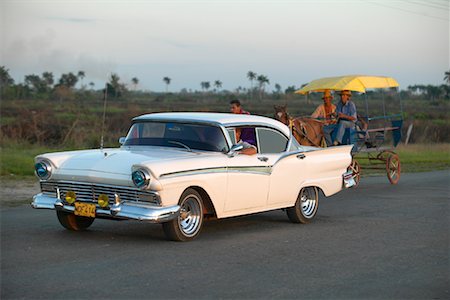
81,75
205,85
48,79
289,91
277,88
69,80
5,78
91,84
218,84
447,77
251,76
114,82
135,82
262,80
167,81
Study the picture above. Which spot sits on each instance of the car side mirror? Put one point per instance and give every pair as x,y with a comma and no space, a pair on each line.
235,148
122,140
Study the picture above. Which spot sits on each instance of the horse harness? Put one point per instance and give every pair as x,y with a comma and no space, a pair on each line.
303,131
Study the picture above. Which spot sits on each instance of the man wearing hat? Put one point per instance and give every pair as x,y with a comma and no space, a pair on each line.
326,113
346,112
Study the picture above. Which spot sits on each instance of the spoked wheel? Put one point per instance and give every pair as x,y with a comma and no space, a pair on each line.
189,223
306,206
355,167
73,222
393,167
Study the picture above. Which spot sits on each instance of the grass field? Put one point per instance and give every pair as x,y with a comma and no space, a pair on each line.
413,158
17,161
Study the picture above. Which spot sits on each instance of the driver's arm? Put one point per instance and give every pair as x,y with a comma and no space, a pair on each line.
248,151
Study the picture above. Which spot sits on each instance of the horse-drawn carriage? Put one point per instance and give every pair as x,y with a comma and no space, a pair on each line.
374,135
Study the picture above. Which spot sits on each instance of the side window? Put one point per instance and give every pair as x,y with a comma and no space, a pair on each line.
271,141
232,135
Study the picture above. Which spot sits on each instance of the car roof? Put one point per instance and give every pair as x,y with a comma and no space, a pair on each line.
224,119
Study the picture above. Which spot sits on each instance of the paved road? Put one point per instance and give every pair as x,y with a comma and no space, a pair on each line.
377,241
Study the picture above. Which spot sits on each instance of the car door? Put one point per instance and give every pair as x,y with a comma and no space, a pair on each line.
288,174
248,182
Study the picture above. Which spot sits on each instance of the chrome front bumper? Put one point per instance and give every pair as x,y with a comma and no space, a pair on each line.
124,210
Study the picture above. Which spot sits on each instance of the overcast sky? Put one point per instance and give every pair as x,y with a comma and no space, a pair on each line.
291,42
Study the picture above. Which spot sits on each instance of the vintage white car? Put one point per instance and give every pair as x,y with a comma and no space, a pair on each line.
179,169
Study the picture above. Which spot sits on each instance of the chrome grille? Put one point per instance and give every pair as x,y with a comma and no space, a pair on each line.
88,192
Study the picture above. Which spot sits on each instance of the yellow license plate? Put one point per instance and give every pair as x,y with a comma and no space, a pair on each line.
84,209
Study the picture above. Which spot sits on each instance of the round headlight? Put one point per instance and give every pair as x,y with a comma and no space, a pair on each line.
141,178
43,170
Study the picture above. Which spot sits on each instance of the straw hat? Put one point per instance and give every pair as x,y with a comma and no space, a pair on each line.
345,92
327,94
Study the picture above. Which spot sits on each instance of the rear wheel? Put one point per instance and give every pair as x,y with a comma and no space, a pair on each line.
189,223
72,222
355,167
306,206
393,168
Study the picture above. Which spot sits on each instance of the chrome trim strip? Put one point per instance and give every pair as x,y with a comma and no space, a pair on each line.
194,172
264,170
123,210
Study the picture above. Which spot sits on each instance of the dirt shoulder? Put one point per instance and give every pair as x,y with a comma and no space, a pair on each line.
15,191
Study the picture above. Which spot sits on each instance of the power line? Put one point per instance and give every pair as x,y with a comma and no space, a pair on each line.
441,2
409,11
443,5
428,4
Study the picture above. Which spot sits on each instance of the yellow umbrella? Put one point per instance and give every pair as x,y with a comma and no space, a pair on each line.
357,83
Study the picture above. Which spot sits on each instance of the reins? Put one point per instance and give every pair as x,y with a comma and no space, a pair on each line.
303,130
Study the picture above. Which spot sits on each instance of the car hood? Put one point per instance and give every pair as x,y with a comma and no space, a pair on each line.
121,161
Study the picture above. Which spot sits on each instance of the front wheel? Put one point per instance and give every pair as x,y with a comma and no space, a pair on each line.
72,222
306,206
189,223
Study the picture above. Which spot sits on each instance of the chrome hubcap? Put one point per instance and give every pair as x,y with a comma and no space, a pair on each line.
308,202
190,215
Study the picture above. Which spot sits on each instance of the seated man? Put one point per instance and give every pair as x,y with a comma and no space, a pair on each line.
247,137
346,112
244,136
326,113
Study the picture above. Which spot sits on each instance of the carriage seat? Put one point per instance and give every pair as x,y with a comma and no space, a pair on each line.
372,138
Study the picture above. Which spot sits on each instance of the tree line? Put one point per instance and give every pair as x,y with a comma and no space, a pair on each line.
46,86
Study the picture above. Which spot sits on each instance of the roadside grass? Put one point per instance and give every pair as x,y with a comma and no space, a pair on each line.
414,158
17,160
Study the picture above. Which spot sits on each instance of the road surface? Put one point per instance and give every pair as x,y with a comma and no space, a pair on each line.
376,241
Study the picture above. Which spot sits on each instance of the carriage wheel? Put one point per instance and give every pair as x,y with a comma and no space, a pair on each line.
355,167
393,168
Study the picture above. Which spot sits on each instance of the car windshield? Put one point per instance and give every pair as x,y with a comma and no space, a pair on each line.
171,134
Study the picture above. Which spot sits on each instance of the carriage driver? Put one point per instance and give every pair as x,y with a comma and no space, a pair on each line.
326,113
346,112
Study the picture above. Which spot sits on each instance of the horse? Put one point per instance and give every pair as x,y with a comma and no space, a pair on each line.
307,131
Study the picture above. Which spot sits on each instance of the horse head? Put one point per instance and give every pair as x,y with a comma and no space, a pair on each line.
281,114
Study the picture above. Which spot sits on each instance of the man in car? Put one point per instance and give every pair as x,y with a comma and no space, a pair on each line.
244,136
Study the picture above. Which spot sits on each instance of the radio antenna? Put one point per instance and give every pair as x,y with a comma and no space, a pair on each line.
105,97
